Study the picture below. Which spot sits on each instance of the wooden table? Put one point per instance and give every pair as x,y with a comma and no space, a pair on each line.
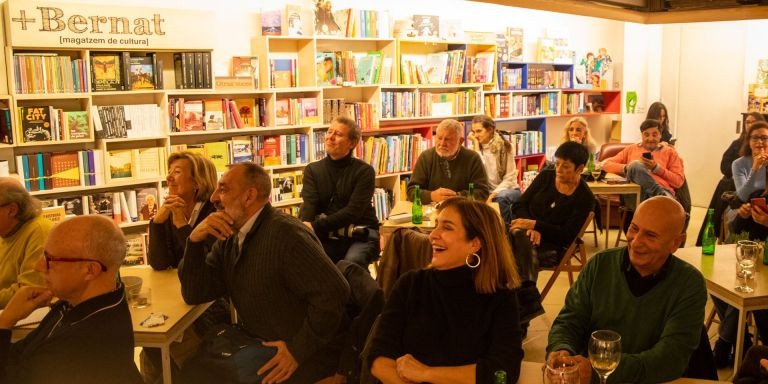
166,299
720,272
603,188
427,225
530,373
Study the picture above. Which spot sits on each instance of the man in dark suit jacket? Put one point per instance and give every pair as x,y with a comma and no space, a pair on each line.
285,290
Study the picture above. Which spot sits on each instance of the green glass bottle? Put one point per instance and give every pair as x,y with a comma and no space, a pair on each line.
708,237
471,191
590,163
765,252
416,210
500,377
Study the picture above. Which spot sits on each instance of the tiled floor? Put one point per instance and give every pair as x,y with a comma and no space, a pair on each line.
536,342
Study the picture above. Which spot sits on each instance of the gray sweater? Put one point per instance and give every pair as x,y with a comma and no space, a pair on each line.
431,173
283,286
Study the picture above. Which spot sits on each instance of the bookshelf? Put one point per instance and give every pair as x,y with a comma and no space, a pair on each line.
461,95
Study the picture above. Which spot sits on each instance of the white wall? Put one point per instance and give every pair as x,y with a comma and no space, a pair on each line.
642,67
702,84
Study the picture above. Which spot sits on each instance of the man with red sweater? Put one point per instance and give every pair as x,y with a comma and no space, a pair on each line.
656,168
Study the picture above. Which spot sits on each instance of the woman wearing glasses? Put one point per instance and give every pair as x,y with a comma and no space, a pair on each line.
749,170
749,176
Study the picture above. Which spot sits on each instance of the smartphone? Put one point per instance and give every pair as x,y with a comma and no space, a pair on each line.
647,155
759,202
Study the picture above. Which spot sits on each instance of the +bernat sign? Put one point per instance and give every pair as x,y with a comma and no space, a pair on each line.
35,23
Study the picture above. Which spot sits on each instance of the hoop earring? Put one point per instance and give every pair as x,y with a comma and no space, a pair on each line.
466,261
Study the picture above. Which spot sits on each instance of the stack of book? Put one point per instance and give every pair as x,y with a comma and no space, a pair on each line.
296,111
399,104
216,114
45,171
449,103
127,121
392,153
126,71
192,70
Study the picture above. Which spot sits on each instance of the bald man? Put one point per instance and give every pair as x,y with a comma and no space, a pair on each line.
22,235
654,300
87,337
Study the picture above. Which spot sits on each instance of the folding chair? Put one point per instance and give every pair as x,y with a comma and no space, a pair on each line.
577,251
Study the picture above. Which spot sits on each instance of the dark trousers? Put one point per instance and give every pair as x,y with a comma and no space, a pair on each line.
360,252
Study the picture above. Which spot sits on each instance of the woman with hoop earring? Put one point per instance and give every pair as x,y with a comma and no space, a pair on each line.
456,320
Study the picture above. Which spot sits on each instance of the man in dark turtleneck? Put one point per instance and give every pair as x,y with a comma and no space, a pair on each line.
337,195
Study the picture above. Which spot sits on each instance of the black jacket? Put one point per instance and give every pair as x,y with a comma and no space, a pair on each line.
166,242
89,343
342,190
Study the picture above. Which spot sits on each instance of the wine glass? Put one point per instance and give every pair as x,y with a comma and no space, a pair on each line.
596,172
604,352
746,256
561,370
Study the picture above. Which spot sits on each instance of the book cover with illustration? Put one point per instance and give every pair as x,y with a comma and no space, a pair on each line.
515,44
76,125
293,20
36,123
135,250
73,206
142,73
120,164
283,72
283,185
246,66
309,112
327,68
214,114
106,72
101,204
193,116
247,110
427,26
271,22
283,112
65,169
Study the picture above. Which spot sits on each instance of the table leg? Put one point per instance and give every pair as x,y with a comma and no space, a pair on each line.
608,223
166,356
739,340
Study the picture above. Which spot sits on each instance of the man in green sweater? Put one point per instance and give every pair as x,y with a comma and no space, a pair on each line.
654,300
446,169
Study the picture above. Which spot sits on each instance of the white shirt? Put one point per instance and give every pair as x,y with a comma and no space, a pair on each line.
246,228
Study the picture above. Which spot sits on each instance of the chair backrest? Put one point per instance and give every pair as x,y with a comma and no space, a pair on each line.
608,150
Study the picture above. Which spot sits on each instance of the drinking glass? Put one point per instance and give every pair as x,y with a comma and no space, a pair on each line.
604,352
561,370
596,171
746,256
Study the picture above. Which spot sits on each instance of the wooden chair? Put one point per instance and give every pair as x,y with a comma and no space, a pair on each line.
577,251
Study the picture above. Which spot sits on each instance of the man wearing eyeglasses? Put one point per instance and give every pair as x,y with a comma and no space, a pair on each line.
22,235
87,337
656,168
447,169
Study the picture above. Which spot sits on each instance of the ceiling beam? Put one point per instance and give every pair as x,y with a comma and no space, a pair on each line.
588,8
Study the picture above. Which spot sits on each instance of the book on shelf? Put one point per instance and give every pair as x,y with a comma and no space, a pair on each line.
193,116
192,70
6,128
295,111
399,104
101,204
141,73
449,103
65,169
368,68
451,30
218,152
392,153
241,149
427,26
76,125
246,66
326,23
319,148
218,113
45,171
434,68
107,72
5,169
484,64
284,70
120,164
126,121
284,186
382,202
328,68
213,111
545,52
271,22
293,20
135,249
363,23
292,210
139,163
515,39
36,123
147,203
48,73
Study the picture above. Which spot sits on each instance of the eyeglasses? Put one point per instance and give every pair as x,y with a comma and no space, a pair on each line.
49,258
759,138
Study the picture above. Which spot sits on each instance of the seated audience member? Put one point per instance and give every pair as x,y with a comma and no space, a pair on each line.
551,212
660,174
726,182
658,111
285,289
337,195
191,180
22,236
754,367
577,129
654,300
447,169
87,337
498,157
455,321
753,220
749,169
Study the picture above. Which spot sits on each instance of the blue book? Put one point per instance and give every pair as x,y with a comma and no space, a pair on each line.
25,166
40,171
